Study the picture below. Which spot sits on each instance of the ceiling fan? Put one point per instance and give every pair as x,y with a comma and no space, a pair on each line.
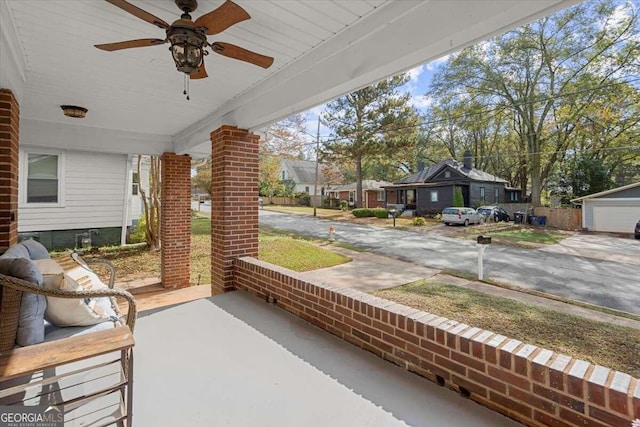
188,38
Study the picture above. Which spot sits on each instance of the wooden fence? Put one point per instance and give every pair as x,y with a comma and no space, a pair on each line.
562,218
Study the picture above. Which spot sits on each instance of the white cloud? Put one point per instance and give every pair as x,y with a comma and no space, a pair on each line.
421,101
414,73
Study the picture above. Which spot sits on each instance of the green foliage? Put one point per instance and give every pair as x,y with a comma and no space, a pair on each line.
581,176
344,205
381,213
524,100
376,122
304,199
138,234
362,212
419,221
438,217
458,198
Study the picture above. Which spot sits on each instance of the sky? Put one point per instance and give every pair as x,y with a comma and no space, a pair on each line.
420,78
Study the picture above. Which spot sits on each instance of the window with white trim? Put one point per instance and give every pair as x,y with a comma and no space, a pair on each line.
43,177
434,195
136,184
381,196
496,195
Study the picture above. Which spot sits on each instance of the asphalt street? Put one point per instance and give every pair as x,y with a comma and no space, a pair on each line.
606,283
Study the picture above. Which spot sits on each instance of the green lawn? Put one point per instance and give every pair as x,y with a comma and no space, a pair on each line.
533,235
605,344
283,249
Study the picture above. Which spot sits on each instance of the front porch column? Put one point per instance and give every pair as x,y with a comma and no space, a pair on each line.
175,220
9,143
234,202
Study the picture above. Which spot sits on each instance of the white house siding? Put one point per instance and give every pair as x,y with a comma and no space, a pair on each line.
93,194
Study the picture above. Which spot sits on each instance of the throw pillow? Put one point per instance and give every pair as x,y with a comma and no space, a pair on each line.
36,249
74,311
30,323
52,273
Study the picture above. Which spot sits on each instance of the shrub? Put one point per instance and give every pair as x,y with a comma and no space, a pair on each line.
137,233
458,198
304,199
344,205
419,221
362,213
438,217
381,213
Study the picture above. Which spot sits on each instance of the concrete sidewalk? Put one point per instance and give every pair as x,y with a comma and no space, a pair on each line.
368,272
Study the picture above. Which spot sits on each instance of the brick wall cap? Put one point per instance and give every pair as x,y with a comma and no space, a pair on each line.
447,325
483,336
437,321
457,330
526,351
496,340
620,382
510,345
543,357
599,375
426,319
417,315
579,368
636,394
469,333
561,362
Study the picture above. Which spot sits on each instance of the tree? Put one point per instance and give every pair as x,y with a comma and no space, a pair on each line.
546,76
374,121
202,177
287,138
151,201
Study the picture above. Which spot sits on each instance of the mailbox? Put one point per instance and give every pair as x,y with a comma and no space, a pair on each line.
484,240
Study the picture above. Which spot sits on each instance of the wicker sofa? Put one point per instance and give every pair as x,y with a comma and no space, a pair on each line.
86,370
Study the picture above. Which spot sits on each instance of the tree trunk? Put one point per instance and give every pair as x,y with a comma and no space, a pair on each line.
151,202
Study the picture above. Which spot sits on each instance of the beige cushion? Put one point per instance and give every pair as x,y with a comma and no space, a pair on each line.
52,273
74,312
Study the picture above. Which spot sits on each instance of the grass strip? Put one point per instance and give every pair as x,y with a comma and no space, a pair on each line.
616,347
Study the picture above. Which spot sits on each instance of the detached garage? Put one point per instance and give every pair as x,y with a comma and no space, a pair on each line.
614,211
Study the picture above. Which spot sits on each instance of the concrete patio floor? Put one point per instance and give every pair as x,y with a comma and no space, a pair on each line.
234,360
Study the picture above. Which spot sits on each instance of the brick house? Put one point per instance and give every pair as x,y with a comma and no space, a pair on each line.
373,193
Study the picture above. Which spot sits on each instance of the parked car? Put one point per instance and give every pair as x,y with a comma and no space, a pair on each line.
637,230
464,216
495,212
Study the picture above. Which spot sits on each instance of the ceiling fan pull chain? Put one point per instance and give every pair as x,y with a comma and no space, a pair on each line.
186,87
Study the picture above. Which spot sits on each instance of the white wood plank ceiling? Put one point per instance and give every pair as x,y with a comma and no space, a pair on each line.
322,49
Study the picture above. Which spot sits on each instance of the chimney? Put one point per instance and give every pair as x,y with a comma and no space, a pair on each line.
467,160
420,166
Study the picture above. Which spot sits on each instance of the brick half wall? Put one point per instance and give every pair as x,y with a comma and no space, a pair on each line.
532,385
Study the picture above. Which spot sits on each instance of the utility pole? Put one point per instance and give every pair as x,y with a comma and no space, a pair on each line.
315,184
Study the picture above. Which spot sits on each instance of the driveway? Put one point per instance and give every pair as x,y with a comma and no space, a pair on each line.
602,282
600,246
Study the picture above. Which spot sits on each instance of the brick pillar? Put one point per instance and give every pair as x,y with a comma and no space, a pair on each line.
234,202
9,141
175,220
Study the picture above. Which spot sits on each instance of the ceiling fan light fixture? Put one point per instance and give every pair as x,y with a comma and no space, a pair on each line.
74,111
186,48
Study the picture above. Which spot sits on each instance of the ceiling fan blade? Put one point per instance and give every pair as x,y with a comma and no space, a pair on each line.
236,52
222,18
142,14
110,47
201,73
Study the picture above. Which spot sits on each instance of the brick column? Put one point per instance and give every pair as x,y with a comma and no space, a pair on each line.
234,202
175,220
9,142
